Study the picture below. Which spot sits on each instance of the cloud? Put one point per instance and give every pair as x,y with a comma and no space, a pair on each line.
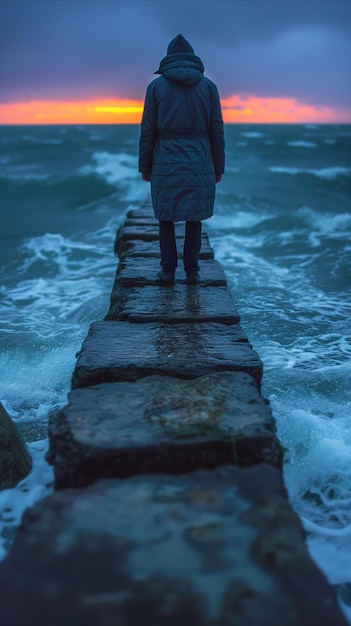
294,65
75,49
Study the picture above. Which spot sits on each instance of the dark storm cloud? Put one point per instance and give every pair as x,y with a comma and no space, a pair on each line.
84,48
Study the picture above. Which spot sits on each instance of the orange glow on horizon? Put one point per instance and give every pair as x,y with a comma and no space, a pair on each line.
81,112
236,109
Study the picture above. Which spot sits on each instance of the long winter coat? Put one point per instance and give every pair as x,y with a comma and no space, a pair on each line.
181,140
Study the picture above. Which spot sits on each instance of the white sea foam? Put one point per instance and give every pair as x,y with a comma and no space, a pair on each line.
35,384
13,502
114,168
317,473
23,173
120,170
231,168
328,173
318,466
330,549
46,327
251,134
60,286
59,278
287,170
39,140
95,136
301,144
236,219
330,224
22,177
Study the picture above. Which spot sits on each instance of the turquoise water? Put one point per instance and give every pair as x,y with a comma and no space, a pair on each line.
281,230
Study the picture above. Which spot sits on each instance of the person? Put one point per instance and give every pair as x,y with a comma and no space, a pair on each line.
181,152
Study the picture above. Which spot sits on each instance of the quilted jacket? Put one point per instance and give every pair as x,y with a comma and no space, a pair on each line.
182,140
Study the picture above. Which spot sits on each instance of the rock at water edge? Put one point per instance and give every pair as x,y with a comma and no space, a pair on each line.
15,459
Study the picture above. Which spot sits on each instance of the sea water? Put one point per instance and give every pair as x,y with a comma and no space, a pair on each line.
282,232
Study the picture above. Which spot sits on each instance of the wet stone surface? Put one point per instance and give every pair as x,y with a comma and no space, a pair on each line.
210,548
161,424
174,305
139,238
141,221
120,351
151,249
142,213
135,272
145,229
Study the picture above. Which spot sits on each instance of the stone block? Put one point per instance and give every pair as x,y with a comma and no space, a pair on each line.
149,233
161,424
120,351
135,273
211,548
144,212
152,249
141,221
173,305
145,230
138,232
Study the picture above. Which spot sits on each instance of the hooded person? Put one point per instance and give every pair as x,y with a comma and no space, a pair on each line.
181,152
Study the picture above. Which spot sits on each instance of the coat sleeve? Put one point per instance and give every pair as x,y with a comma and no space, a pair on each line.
148,132
216,131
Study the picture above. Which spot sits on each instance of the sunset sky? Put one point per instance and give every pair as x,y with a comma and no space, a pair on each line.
89,61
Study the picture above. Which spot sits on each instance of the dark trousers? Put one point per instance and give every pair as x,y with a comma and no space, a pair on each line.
168,248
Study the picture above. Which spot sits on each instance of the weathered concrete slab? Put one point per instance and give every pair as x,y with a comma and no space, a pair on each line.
147,234
173,305
152,249
141,221
146,231
161,424
145,211
120,351
134,273
213,548
136,248
143,232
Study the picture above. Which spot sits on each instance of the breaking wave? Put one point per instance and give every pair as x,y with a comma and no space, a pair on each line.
328,173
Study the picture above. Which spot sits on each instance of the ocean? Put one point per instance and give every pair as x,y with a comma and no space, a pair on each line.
282,232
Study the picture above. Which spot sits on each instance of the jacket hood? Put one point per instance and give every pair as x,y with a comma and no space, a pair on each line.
181,65
179,44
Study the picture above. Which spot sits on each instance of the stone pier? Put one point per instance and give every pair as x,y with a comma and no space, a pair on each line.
169,505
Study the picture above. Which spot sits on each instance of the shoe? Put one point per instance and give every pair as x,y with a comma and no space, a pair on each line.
193,278
167,278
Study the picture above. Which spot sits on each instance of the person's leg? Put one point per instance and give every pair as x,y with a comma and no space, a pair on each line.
168,249
192,247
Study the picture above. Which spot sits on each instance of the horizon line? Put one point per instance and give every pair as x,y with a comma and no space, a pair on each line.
237,109
247,123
